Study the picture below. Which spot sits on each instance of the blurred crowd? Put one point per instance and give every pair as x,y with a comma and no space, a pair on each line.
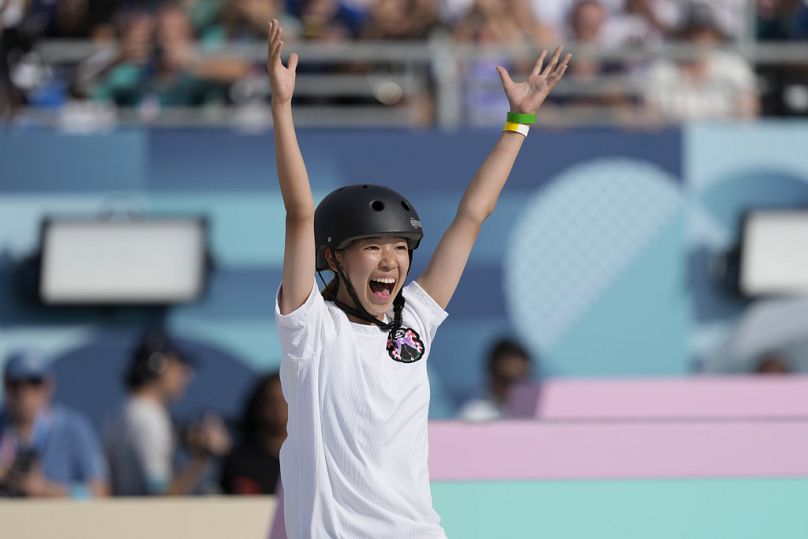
49,450
178,53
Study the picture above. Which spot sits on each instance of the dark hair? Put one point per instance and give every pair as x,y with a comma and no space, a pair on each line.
503,348
149,357
252,420
329,293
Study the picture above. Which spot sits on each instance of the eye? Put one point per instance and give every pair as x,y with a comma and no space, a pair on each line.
371,247
402,247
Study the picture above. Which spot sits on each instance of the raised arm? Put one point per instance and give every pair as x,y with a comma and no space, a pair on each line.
299,250
449,260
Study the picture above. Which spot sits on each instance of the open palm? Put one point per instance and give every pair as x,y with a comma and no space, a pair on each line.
526,97
281,78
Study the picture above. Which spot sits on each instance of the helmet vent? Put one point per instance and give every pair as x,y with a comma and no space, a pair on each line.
364,187
405,205
377,205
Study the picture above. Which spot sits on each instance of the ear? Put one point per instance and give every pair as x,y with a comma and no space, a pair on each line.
330,259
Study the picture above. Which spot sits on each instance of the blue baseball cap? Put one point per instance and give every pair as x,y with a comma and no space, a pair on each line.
25,365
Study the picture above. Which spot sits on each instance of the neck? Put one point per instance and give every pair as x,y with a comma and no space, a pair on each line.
344,297
500,394
150,392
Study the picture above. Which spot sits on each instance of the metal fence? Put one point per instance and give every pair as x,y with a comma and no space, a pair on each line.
408,84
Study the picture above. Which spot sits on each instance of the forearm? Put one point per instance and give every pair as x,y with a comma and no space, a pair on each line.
481,195
292,175
185,481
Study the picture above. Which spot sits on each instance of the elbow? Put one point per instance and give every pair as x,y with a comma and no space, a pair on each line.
300,212
476,213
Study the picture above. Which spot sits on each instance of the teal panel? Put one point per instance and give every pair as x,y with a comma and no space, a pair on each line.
639,325
658,509
714,151
246,229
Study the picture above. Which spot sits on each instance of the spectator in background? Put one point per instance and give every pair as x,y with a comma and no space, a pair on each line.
160,66
400,20
45,450
327,20
74,19
600,90
509,364
140,441
713,85
490,22
782,20
254,466
786,84
246,20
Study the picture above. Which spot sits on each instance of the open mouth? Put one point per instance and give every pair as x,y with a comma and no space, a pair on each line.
382,289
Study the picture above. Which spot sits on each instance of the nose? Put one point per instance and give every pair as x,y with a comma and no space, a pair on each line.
388,260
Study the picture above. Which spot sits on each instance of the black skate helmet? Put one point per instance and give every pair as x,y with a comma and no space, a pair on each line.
363,211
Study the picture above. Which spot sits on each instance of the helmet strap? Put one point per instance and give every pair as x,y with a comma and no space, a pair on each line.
358,311
403,344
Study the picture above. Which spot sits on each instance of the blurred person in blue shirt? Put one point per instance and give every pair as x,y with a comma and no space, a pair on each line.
45,450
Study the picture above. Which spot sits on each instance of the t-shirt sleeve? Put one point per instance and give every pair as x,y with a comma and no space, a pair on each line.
90,464
427,313
298,331
153,448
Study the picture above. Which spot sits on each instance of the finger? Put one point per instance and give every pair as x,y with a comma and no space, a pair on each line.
557,75
565,61
561,69
553,61
504,77
293,62
539,62
276,49
276,26
273,30
269,40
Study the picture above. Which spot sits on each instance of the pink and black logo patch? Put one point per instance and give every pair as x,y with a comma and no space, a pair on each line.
405,345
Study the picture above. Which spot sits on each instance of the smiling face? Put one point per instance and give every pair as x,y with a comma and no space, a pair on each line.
376,267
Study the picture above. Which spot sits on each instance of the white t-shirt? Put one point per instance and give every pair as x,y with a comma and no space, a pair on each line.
140,448
354,464
716,96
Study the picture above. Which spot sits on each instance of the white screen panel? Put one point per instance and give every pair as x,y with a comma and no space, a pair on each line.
775,253
150,261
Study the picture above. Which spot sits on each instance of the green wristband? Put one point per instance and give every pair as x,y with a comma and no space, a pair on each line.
526,119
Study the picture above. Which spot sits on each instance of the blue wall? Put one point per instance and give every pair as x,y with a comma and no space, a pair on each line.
592,256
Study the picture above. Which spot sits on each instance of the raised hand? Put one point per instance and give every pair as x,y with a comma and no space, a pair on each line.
281,78
526,97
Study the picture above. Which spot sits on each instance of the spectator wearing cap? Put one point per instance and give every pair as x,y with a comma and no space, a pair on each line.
140,442
46,450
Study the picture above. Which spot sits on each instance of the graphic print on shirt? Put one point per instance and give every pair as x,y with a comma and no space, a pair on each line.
405,345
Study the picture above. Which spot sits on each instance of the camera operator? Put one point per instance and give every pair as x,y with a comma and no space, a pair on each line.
140,442
45,450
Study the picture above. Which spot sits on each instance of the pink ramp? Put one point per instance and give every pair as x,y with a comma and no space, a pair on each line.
707,397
